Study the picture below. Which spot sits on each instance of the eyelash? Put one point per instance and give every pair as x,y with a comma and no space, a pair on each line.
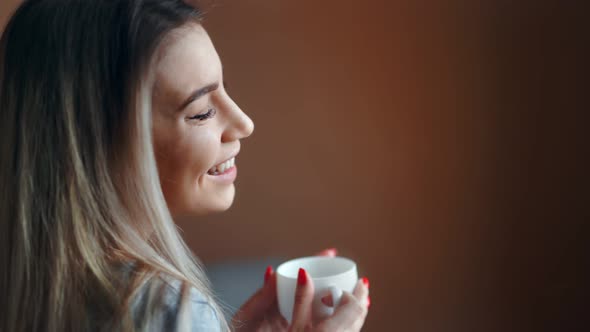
205,116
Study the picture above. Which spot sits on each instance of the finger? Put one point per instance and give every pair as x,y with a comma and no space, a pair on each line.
331,252
277,322
361,291
303,299
261,301
267,274
327,300
349,314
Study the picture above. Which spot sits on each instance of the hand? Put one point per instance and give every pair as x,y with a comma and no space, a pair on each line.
349,315
261,312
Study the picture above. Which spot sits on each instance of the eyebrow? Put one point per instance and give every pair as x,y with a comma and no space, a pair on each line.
198,94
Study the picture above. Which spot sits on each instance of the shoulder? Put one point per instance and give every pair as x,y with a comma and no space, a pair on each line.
172,305
200,314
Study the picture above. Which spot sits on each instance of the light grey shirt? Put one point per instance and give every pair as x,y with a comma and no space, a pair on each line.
202,315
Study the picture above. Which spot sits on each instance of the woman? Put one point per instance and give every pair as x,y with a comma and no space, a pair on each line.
114,121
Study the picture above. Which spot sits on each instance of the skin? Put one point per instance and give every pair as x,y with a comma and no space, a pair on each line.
261,311
187,148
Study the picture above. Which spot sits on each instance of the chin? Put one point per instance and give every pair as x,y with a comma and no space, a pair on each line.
217,207
215,204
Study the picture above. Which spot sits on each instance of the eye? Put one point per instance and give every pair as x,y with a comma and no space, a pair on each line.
204,116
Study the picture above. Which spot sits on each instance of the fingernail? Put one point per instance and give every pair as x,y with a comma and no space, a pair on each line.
368,302
267,273
327,300
301,277
365,281
333,251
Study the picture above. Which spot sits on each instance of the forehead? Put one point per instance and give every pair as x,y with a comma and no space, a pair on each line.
187,60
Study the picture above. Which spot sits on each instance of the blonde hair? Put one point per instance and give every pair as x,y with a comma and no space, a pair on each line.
80,196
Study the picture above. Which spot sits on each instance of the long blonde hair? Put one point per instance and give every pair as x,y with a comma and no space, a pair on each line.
80,195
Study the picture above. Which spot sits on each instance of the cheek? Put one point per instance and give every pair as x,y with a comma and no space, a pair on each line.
199,152
186,156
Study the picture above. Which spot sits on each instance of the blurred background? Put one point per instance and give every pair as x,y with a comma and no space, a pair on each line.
440,144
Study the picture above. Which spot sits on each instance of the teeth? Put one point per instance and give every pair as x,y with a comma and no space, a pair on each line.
230,163
222,167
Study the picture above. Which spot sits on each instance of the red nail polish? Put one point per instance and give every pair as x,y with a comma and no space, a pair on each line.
368,302
366,281
301,277
267,273
327,300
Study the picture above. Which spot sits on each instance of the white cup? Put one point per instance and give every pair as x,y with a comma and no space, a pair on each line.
330,275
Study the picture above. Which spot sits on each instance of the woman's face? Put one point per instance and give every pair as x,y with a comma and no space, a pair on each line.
196,126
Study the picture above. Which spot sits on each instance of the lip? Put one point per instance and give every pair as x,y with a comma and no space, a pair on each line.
227,177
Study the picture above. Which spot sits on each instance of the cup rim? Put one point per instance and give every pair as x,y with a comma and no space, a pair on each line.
294,260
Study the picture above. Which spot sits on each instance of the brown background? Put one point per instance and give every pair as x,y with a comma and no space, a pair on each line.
438,144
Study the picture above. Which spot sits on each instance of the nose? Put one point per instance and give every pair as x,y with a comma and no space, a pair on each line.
239,125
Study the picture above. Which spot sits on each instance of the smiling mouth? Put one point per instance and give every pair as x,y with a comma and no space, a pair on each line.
221,168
